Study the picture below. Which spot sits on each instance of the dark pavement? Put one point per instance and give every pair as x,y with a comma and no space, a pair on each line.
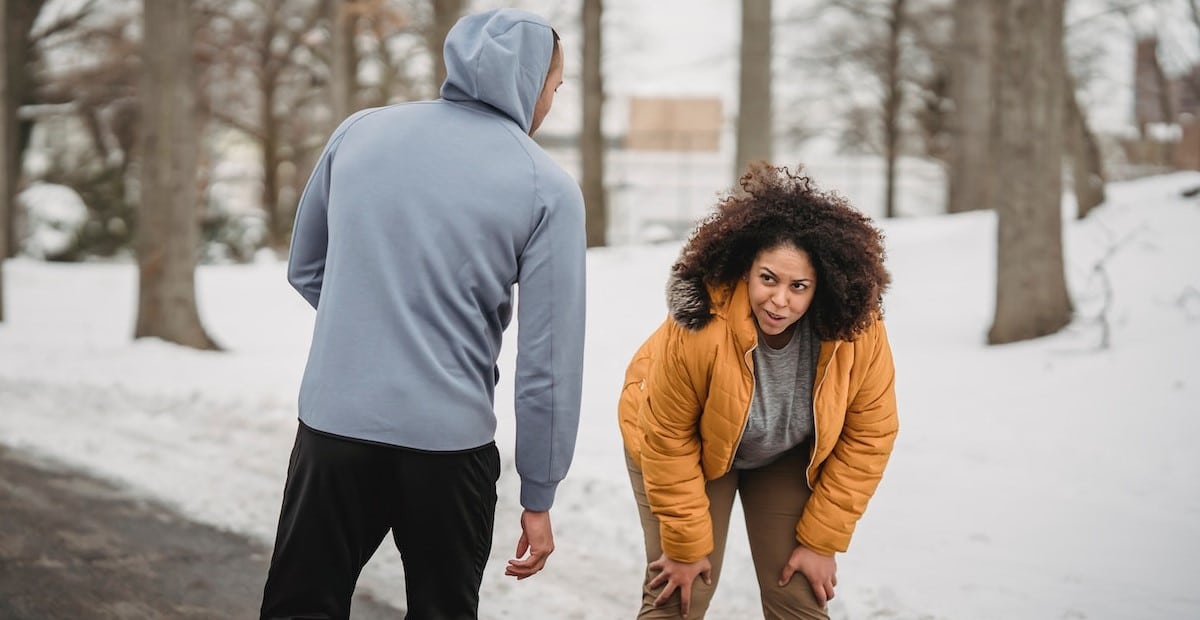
75,547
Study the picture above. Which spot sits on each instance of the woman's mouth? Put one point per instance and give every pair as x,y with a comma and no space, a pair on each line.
774,317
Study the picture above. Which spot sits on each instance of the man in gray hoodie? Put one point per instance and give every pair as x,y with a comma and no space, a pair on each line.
416,223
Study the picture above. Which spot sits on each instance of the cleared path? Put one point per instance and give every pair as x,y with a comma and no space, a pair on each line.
72,546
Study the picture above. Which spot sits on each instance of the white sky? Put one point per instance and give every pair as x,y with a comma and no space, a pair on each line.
1044,479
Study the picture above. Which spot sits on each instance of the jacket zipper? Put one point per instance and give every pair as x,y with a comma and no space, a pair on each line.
753,386
816,434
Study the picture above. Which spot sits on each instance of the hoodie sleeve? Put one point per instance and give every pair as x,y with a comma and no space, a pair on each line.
550,317
310,233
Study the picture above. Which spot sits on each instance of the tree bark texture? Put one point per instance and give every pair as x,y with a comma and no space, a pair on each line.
278,230
591,141
270,68
168,218
969,179
445,15
6,135
893,100
1031,291
18,25
754,123
343,64
1087,167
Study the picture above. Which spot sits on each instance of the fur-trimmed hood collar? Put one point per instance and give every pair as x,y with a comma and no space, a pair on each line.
689,302
693,304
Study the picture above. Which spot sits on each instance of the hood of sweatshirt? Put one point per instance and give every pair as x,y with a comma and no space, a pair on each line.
500,58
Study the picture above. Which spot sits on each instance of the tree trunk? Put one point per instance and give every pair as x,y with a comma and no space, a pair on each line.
19,18
1087,168
754,139
1031,290
591,140
893,99
445,15
969,178
6,138
1191,81
277,228
343,65
168,223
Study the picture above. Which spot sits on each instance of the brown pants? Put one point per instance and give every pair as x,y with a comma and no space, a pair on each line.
773,499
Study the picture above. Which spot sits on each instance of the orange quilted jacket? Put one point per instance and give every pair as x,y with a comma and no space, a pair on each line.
687,397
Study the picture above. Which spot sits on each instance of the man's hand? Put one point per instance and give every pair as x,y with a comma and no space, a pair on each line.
537,538
679,575
820,570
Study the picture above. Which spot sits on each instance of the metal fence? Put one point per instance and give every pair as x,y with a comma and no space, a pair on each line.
660,196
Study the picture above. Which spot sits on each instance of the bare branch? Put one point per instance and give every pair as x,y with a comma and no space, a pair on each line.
63,23
860,9
1124,8
235,123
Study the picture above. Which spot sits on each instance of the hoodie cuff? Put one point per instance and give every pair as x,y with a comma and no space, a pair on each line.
537,496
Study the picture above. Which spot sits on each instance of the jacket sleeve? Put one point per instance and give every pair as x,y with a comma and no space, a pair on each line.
633,393
671,470
551,307
310,233
853,470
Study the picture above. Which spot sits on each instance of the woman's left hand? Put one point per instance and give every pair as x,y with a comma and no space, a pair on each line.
820,570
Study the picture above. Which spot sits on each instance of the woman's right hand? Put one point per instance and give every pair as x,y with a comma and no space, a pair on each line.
679,575
820,570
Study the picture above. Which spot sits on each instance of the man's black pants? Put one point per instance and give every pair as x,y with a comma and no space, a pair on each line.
341,498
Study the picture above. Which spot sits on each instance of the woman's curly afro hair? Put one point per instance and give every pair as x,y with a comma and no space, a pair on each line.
778,207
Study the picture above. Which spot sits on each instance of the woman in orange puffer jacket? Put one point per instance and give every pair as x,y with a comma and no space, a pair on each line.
771,379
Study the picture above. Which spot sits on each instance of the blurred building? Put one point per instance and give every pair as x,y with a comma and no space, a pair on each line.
674,124
1167,113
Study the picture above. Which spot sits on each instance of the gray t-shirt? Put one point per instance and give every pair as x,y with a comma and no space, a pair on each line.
781,410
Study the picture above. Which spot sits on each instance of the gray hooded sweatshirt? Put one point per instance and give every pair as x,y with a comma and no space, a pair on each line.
417,222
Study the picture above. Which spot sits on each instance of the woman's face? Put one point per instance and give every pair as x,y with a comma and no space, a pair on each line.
782,282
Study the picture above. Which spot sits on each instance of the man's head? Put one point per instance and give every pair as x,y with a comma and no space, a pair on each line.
508,59
553,81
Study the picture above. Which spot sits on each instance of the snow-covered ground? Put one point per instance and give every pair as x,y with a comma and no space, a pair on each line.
1046,479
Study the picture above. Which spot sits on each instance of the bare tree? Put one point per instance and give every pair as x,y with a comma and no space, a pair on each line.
6,131
19,16
892,100
591,140
1087,167
99,86
389,42
445,15
970,171
343,62
1152,96
1192,80
1031,291
754,123
260,70
895,43
168,234
929,90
